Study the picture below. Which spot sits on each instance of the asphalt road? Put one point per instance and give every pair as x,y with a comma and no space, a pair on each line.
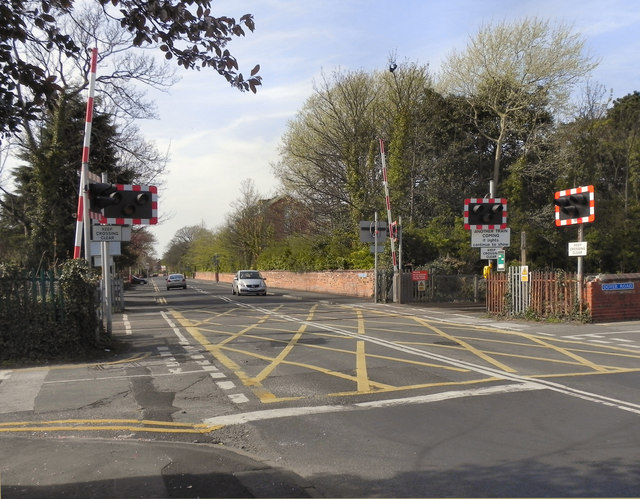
296,394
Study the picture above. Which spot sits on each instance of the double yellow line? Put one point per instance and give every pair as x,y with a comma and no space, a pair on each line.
107,425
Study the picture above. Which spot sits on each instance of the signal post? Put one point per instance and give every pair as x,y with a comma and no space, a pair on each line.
576,206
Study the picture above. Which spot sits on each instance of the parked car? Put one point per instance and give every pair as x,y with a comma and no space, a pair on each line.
176,281
248,282
137,280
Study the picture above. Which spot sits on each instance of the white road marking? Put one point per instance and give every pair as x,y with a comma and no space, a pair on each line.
183,340
127,325
226,385
210,368
246,417
239,398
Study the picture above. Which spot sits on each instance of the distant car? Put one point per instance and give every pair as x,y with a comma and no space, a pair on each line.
176,281
137,280
248,282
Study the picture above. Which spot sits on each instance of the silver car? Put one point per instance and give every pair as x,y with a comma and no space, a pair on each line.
248,282
176,281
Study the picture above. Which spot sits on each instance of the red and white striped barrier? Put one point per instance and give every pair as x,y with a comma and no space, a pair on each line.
388,205
83,198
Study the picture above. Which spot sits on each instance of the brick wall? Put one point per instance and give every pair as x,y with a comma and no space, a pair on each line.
614,297
339,282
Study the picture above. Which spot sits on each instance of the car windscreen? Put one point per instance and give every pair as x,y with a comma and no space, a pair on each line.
249,275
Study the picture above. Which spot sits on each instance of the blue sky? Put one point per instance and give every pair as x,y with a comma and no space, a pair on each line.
218,136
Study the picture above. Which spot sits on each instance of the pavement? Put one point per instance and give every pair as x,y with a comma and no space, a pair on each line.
96,468
93,468
45,464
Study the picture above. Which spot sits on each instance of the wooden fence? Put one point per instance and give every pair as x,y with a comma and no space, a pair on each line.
544,294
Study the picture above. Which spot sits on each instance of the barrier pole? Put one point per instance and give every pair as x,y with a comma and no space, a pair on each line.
82,220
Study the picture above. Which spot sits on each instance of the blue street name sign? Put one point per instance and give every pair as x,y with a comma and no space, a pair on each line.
618,286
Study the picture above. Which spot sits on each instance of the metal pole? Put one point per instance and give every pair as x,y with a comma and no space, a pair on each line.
106,277
580,267
400,276
375,258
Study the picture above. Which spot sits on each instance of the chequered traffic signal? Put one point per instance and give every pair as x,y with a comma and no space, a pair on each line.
136,205
485,213
102,195
575,206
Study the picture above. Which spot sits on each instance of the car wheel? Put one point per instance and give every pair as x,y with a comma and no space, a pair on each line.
184,287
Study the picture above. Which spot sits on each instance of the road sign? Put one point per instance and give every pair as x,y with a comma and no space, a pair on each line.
489,253
380,248
618,286
490,238
524,273
106,233
420,275
367,231
578,249
500,261
115,249
110,233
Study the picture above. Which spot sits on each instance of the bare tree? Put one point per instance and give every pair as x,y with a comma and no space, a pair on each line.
248,229
120,86
518,72
182,30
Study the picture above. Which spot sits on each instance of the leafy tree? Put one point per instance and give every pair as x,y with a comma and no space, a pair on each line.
405,89
329,151
184,30
518,73
616,237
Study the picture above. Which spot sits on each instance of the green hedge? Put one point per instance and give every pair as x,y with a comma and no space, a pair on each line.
48,316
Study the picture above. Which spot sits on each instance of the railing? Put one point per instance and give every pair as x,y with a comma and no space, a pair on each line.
437,288
29,289
544,293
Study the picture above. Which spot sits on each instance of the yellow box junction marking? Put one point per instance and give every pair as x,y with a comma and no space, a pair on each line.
363,384
467,346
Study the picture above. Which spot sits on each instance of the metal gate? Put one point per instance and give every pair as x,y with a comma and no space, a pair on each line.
544,293
437,288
